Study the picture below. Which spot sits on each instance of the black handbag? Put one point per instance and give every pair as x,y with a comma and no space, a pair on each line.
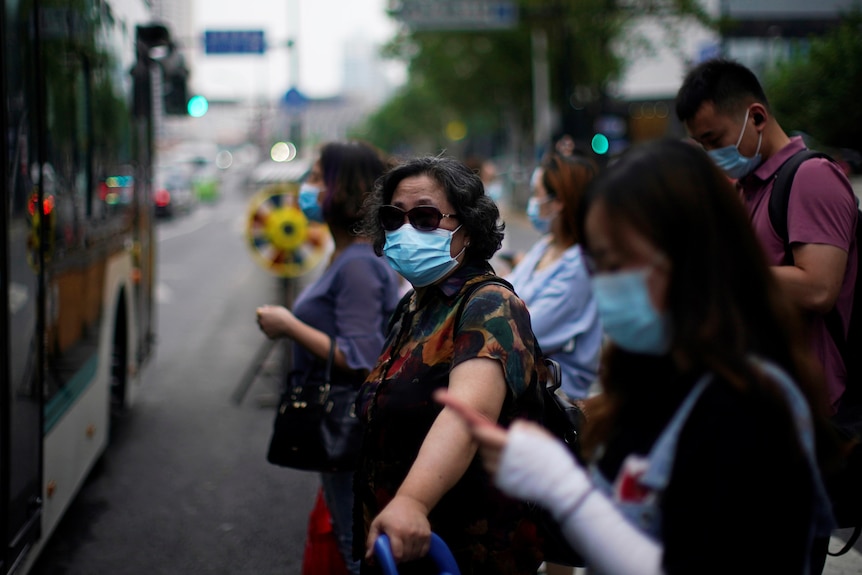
316,428
563,420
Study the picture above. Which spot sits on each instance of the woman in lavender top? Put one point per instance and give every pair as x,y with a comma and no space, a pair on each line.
349,304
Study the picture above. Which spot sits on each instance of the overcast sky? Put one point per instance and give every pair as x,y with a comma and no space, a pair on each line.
324,26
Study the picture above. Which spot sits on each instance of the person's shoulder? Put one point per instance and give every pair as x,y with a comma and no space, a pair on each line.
821,176
822,192
752,410
360,260
491,293
359,255
532,255
573,259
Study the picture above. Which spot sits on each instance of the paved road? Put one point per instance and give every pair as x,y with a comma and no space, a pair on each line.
184,487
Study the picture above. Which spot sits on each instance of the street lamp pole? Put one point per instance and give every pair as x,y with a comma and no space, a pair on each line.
295,124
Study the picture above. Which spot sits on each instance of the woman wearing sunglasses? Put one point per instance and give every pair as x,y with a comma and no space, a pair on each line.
430,219
348,305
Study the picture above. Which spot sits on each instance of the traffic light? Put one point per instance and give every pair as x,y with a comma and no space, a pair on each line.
198,106
175,75
600,144
175,92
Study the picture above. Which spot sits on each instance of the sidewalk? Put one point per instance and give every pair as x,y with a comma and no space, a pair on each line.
848,564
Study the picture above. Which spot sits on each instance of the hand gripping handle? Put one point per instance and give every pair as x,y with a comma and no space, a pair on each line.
439,552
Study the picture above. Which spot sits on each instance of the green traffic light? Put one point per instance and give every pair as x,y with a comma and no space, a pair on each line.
600,144
198,106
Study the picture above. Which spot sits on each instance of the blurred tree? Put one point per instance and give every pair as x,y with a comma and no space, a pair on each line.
481,79
484,79
817,91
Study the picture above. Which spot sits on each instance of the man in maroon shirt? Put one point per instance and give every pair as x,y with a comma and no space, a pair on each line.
726,111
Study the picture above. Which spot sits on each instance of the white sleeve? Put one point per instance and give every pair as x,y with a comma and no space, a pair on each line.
539,468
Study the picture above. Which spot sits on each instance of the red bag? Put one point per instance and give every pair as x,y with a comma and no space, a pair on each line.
321,556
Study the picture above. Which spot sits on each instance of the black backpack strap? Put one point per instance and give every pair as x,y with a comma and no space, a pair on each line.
473,287
464,298
399,310
779,200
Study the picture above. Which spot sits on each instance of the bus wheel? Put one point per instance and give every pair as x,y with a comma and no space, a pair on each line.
119,360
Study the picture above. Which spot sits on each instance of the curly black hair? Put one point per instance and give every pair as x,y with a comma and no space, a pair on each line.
477,213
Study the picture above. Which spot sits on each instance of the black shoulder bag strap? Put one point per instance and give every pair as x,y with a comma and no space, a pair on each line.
779,201
399,310
780,197
472,288
330,361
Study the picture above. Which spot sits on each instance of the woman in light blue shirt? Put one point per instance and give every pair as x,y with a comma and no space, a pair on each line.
552,279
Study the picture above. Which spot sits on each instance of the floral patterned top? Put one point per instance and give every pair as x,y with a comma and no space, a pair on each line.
487,531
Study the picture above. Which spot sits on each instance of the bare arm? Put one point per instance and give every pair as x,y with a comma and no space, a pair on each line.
443,458
813,283
277,321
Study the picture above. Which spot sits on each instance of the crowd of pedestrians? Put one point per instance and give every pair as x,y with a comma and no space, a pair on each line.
694,338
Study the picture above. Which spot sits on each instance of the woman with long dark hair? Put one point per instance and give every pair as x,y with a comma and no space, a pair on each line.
704,451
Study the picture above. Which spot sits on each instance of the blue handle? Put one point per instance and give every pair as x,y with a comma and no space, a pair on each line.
439,552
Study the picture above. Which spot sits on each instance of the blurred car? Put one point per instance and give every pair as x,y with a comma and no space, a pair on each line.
206,180
173,194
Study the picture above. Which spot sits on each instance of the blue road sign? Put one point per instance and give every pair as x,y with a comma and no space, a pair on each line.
234,42
294,100
457,14
708,51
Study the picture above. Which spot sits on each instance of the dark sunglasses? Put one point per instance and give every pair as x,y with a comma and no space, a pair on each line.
423,218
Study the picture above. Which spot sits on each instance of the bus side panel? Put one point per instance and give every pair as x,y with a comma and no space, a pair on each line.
80,434
74,443
21,401
75,156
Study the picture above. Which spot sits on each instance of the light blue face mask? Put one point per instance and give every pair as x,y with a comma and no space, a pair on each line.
628,316
729,159
542,225
308,203
494,190
421,258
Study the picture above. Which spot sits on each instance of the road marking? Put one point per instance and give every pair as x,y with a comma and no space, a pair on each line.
164,294
198,221
18,296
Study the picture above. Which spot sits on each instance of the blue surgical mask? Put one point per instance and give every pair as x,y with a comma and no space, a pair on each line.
422,258
734,164
627,314
309,204
494,190
542,225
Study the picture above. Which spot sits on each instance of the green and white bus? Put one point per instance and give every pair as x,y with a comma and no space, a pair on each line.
77,246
